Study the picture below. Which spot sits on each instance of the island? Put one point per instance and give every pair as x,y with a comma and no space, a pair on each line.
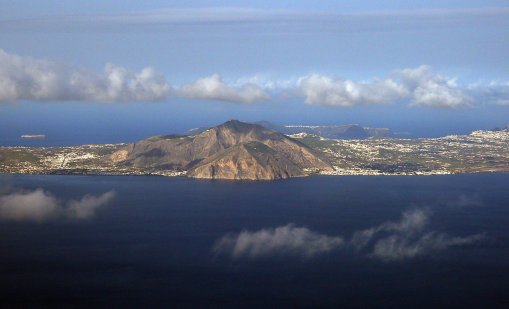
248,151
33,136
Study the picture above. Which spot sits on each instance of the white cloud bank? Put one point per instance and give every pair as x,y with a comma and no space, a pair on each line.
214,88
420,85
25,78
390,241
39,206
283,240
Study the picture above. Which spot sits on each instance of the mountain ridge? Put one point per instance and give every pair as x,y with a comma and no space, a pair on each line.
226,151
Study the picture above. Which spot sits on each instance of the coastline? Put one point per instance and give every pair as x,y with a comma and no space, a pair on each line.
183,175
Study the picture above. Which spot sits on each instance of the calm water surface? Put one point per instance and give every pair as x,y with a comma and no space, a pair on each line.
153,245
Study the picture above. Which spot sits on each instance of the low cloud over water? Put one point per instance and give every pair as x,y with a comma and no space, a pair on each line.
408,237
41,206
283,240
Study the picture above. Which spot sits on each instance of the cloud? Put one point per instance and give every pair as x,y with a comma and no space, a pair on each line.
267,82
390,241
85,207
25,78
407,238
35,206
40,206
280,241
493,92
503,102
214,88
432,90
419,85
411,222
325,90
398,247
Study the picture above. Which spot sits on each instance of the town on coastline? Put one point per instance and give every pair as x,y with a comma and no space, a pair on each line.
480,151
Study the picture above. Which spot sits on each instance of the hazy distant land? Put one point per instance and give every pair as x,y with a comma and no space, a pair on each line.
33,136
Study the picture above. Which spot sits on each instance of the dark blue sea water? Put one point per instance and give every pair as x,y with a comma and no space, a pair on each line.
153,245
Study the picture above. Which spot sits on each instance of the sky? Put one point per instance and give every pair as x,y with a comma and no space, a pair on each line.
112,71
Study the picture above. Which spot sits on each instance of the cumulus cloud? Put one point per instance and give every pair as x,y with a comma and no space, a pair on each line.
25,78
407,238
283,240
35,206
495,91
411,222
325,90
420,86
433,90
85,207
39,206
390,241
214,88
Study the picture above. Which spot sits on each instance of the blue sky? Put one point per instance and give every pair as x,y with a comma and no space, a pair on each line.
141,68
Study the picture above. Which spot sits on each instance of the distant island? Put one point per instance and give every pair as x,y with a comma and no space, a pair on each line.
251,151
33,136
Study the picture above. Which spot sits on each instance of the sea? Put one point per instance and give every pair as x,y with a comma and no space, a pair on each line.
322,241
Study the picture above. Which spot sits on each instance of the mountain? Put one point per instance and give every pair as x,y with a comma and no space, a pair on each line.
504,129
347,131
250,160
232,150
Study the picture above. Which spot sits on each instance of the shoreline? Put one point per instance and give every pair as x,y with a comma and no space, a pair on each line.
250,180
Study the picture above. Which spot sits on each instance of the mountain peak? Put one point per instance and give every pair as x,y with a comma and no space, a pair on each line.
233,122
504,129
236,125
232,150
